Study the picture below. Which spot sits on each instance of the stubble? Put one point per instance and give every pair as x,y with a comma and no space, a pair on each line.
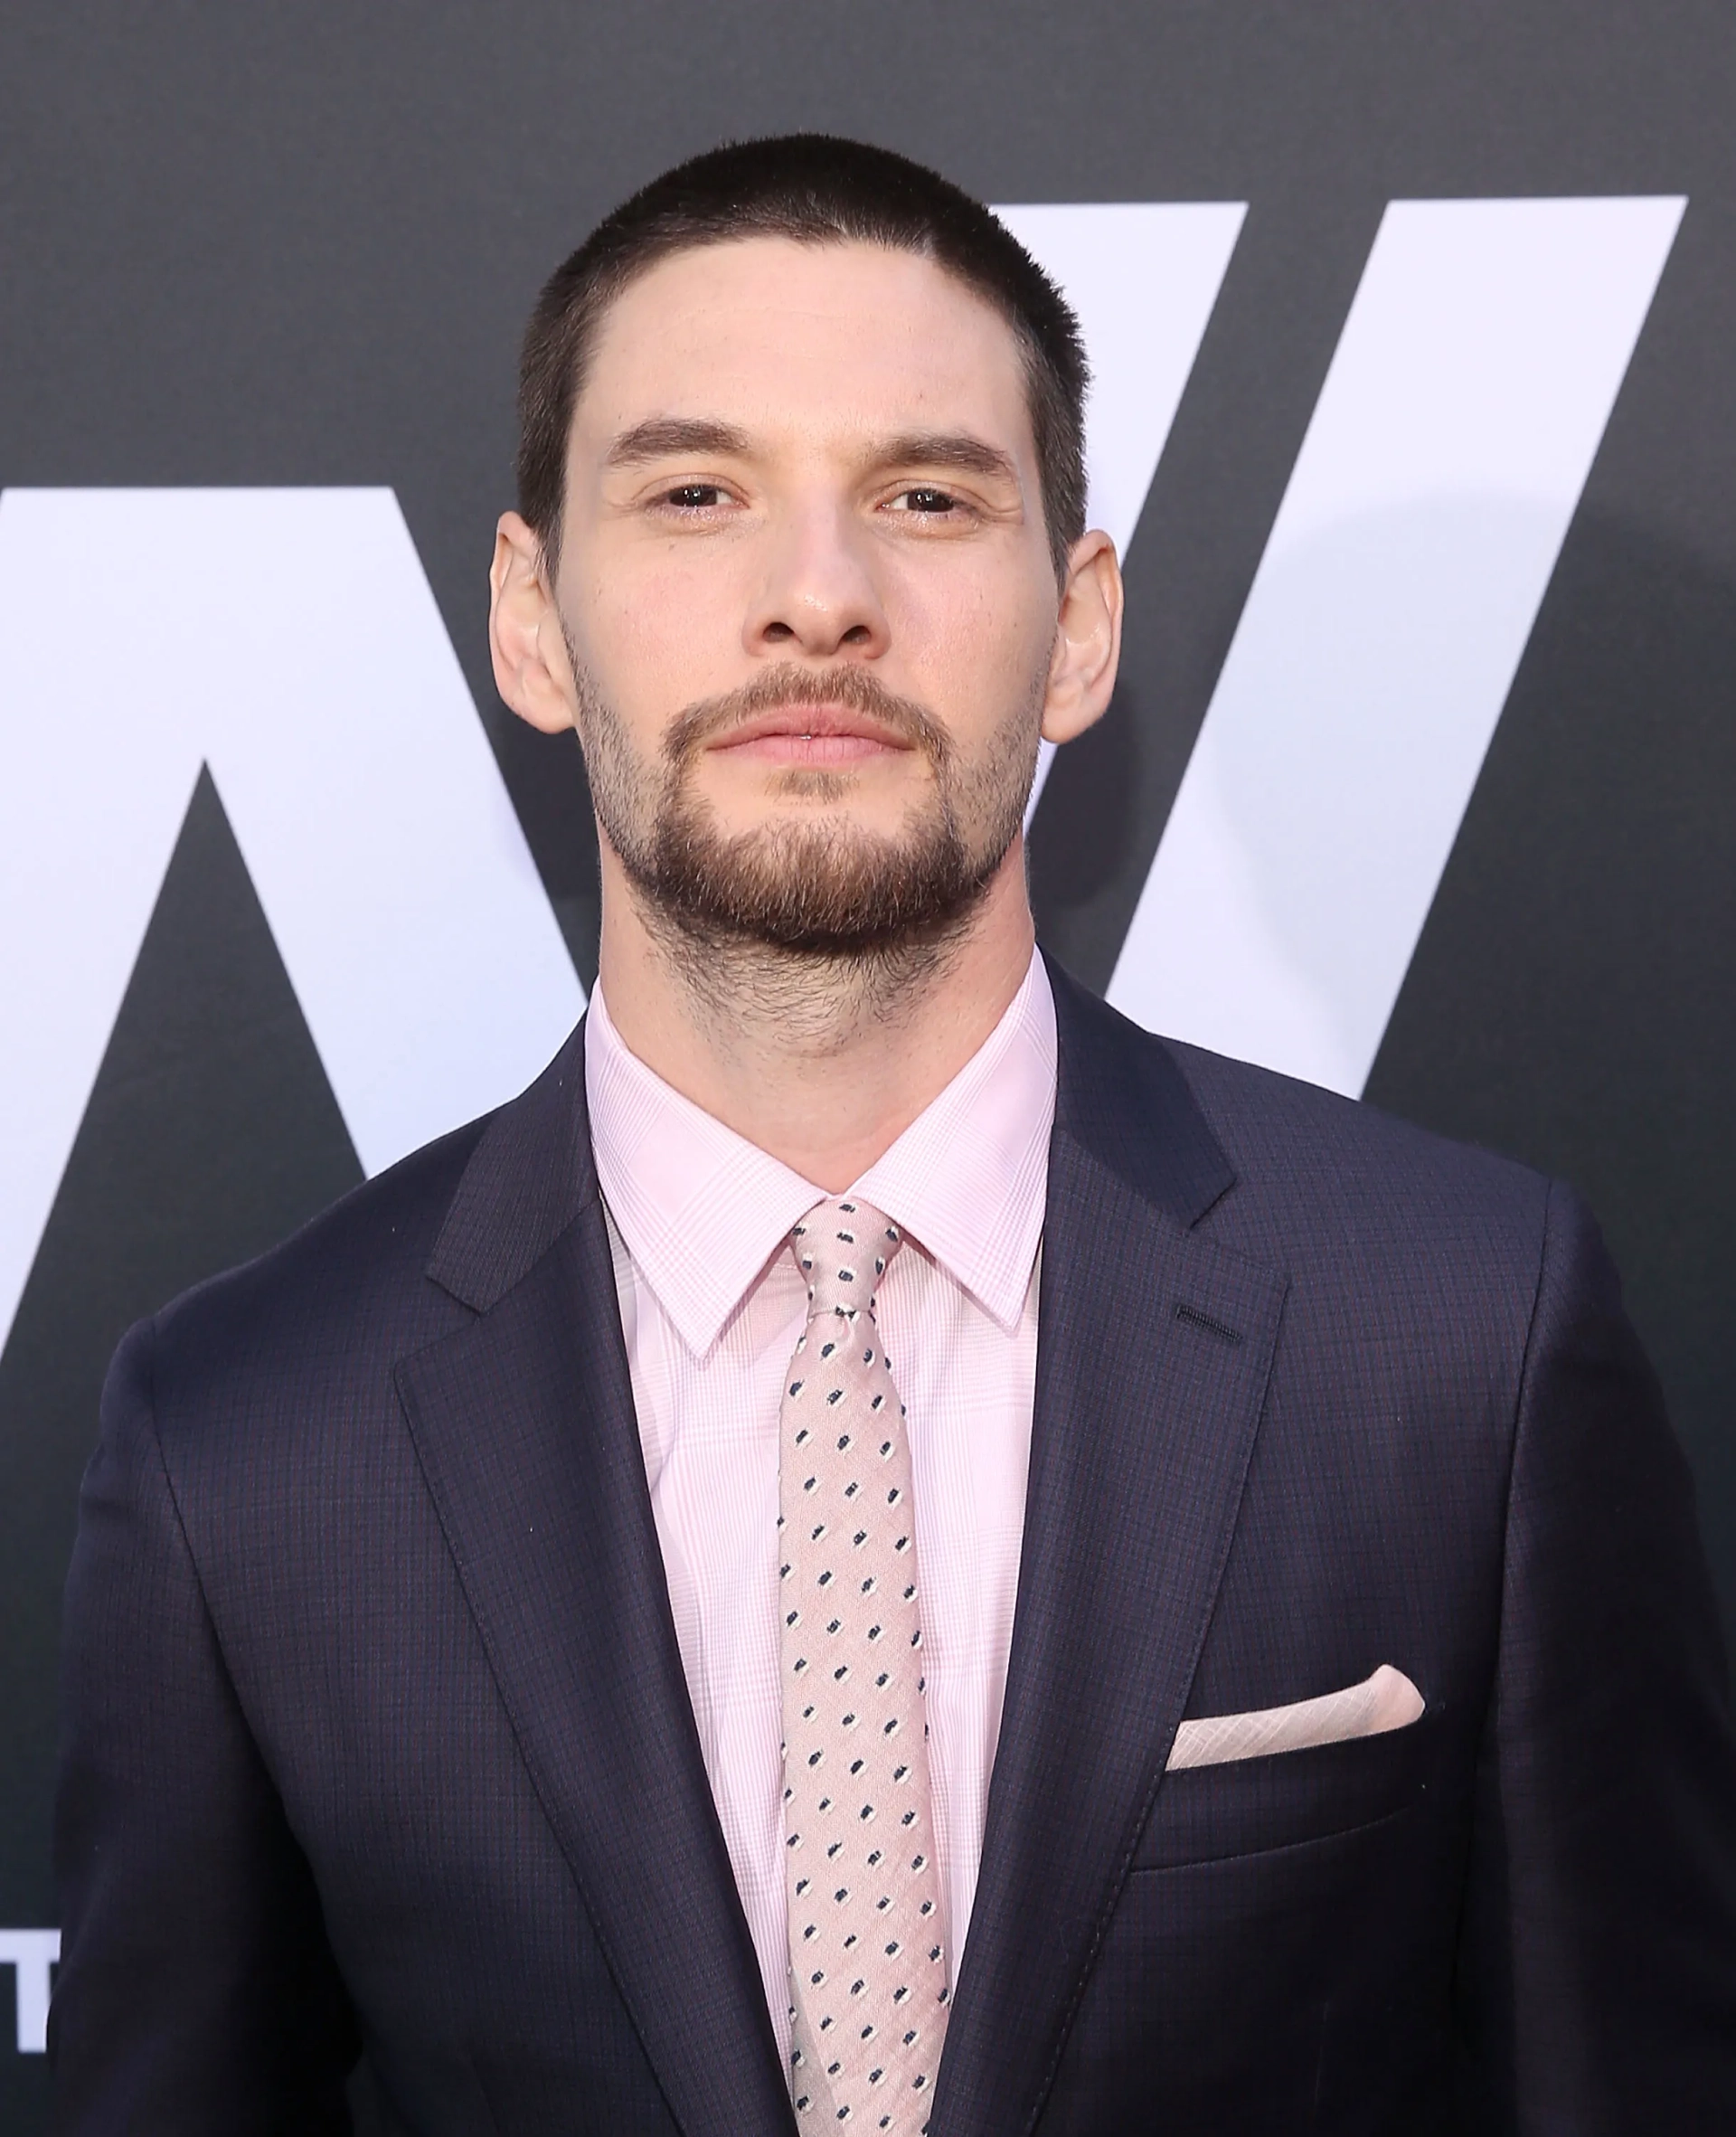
816,923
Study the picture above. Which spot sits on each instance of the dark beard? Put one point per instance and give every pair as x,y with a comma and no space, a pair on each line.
816,891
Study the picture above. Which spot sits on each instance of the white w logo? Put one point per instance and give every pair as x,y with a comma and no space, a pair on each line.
1457,424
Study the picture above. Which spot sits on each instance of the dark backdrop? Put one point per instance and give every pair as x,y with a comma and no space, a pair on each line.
294,245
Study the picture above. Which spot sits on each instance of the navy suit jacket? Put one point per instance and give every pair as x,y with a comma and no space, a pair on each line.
376,1734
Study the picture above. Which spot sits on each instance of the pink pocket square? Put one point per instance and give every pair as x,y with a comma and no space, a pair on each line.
1386,1700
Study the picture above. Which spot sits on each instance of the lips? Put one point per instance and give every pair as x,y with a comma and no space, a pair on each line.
818,737
800,724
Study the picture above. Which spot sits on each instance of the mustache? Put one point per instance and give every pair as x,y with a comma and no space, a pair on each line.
779,688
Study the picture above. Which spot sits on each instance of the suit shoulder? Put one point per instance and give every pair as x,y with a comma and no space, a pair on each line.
1340,1165
1230,1130
1263,1118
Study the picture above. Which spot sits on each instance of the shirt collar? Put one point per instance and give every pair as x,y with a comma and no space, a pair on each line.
702,1210
968,1178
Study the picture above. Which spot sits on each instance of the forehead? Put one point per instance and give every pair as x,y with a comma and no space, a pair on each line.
776,335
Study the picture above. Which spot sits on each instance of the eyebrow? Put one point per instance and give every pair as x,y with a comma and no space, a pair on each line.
957,449
664,436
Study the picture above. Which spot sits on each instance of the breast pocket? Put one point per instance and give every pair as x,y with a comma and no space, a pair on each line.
1248,1806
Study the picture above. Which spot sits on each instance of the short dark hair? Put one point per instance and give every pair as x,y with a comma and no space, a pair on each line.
817,189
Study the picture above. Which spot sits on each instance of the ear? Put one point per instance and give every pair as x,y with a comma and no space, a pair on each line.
531,671
1088,640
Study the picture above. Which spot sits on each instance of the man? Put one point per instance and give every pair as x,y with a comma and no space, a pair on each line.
880,1547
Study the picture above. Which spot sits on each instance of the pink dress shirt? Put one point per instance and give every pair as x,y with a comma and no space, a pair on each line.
712,1303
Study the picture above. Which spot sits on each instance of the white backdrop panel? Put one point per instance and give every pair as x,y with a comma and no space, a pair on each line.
1457,424
290,639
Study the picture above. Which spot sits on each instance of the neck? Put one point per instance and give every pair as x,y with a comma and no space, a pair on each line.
822,1063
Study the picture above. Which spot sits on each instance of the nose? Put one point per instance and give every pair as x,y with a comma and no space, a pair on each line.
819,594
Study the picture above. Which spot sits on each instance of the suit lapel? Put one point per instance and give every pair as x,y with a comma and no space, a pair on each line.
1153,1354
525,1425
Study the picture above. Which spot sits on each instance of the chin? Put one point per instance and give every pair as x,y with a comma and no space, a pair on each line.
846,818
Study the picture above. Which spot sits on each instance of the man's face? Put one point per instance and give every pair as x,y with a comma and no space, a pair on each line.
806,590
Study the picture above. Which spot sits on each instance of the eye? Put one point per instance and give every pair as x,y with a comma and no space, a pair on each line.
923,498
694,497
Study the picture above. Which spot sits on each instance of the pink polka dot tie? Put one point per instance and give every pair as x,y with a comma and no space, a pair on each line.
867,1961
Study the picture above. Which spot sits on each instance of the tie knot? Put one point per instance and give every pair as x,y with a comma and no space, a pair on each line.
842,1249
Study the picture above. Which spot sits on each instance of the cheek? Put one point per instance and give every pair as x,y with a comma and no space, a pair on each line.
978,638
656,630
